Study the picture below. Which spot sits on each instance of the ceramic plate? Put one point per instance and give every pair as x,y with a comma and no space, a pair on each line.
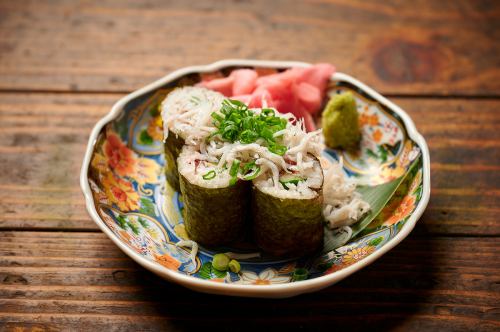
127,196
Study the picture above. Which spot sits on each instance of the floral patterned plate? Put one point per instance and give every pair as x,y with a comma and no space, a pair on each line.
127,196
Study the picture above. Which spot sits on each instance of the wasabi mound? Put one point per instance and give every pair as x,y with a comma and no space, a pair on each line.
340,122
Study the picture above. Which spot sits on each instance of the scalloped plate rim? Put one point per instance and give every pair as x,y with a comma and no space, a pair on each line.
269,291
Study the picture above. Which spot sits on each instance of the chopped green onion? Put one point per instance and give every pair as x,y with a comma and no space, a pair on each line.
253,174
268,111
248,166
209,176
290,179
248,136
237,103
277,149
195,100
300,274
267,133
237,123
217,117
234,168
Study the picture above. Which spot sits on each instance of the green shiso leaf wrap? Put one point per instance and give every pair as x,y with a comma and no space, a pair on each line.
215,216
173,147
287,227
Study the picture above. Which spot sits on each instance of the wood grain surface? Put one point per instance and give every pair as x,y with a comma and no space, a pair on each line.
62,66
400,47
43,138
68,279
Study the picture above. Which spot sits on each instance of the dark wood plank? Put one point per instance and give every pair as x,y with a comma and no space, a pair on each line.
43,138
439,282
43,141
417,47
464,143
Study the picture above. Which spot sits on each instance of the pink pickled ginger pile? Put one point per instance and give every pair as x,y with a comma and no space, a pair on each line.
299,91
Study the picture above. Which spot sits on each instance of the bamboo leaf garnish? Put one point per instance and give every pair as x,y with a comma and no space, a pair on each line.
377,196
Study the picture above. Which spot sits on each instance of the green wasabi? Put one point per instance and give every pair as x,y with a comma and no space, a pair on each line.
340,122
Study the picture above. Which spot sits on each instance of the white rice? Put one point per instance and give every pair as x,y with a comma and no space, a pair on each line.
186,112
193,165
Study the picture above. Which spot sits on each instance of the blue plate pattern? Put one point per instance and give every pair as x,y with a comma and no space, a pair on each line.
135,202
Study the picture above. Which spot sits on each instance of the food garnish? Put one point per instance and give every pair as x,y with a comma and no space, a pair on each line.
340,122
237,123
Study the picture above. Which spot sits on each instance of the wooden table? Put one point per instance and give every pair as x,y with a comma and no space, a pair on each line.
62,66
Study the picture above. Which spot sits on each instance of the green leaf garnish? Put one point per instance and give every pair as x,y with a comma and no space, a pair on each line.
377,196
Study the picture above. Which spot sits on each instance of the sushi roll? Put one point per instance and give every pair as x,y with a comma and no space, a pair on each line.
186,119
257,163
281,160
287,210
215,203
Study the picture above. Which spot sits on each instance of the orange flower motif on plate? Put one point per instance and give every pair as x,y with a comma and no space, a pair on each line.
377,135
125,236
357,254
403,210
350,258
368,119
124,162
119,156
168,261
146,171
121,192
363,119
155,128
100,163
